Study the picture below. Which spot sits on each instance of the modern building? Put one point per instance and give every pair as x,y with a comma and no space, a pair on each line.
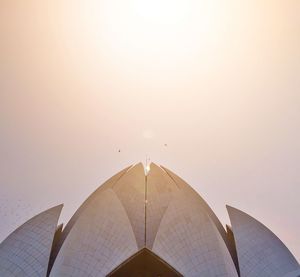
138,224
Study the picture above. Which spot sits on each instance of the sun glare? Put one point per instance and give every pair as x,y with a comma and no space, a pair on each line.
148,168
156,33
161,12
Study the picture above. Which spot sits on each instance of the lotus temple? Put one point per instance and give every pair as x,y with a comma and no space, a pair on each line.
141,224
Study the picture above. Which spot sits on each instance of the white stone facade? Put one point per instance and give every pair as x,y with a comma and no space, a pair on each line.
260,252
133,211
26,251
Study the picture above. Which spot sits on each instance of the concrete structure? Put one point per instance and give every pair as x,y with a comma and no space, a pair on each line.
26,251
260,252
146,225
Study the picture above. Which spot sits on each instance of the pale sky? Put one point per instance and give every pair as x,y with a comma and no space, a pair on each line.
217,81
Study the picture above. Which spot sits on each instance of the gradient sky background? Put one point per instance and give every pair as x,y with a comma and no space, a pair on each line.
217,81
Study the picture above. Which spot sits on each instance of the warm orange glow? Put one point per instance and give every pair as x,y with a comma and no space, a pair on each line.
141,29
160,34
208,87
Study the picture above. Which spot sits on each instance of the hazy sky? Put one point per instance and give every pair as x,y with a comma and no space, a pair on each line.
217,81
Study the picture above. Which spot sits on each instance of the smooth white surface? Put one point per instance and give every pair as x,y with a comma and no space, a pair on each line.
260,252
189,241
99,241
25,252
